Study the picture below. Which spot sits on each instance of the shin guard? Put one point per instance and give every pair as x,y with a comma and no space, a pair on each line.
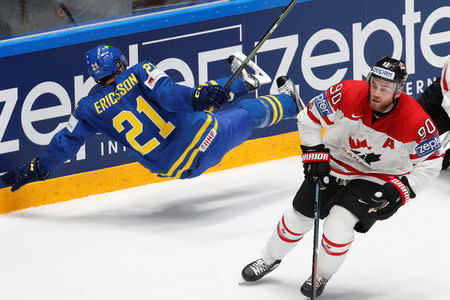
289,231
338,235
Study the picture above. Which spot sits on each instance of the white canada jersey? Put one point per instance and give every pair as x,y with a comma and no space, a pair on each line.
403,142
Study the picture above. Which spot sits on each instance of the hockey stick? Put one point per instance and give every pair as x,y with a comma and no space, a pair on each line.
260,43
316,239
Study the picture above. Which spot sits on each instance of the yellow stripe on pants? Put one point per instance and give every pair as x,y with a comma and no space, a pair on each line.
193,155
189,148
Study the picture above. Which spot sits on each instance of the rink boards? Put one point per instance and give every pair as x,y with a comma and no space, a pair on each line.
319,43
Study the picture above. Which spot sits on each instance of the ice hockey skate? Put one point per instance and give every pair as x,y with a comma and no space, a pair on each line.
252,81
258,269
286,86
306,288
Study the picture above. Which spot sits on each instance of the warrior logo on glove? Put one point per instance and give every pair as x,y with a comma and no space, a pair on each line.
316,163
393,194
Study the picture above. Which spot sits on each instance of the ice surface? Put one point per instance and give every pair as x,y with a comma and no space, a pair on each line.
190,240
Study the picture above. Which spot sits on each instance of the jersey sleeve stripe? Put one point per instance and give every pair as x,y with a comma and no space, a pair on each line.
413,156
327,120
313,118
431,157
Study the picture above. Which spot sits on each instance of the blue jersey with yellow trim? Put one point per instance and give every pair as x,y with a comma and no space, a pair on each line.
146,112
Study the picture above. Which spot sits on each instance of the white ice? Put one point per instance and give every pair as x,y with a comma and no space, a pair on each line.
190,240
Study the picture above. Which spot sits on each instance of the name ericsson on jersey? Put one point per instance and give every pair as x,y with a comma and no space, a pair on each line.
112,98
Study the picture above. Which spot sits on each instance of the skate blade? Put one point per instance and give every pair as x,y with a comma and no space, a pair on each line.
243,282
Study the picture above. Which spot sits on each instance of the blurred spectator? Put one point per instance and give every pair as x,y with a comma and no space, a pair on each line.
77,11
23,16
5,29
29,15
144,4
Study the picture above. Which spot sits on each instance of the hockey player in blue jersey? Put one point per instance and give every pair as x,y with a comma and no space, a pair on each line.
172,130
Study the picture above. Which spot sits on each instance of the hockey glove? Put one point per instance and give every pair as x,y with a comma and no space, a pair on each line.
24,174
393,194
316,163
206,96
446,161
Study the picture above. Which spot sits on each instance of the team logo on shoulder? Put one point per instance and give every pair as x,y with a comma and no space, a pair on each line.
153,78
428,146
322,104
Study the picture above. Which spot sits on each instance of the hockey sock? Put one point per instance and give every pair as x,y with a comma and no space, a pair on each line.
289,231
338,235
269,110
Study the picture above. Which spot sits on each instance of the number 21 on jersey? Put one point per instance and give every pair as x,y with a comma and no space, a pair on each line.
165,128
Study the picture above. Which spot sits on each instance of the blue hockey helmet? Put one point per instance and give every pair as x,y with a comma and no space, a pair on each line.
103,61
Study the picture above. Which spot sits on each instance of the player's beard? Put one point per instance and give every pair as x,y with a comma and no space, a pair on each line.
380,107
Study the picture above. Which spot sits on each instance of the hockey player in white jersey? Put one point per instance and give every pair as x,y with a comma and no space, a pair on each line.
379,150
435,100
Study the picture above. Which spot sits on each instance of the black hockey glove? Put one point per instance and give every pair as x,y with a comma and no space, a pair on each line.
316,163
446,161
206,96
393,194
24,174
